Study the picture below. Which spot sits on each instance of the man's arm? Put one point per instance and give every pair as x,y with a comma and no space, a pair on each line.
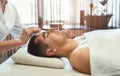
26,33
5,45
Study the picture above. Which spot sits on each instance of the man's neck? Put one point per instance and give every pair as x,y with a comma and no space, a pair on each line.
68,48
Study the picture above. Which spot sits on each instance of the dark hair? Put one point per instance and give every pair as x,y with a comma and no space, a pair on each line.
37,48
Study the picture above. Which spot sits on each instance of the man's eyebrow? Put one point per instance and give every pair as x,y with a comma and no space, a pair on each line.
43,34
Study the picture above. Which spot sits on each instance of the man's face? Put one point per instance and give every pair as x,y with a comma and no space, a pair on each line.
53,38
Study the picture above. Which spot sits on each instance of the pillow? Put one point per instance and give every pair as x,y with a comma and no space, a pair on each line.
23,57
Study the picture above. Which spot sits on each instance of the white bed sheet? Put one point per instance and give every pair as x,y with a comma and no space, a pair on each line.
10,68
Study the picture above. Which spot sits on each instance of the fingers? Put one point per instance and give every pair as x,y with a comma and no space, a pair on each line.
70,35
68,31
36,29
27,33
32,30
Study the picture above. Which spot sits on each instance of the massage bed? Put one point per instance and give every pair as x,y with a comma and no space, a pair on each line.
9,68
104,51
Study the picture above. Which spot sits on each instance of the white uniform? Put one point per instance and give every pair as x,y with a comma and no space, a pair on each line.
9,22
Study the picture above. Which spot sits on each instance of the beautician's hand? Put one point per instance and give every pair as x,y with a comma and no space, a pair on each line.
27,33
70,35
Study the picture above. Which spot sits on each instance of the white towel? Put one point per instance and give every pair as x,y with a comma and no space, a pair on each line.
104,46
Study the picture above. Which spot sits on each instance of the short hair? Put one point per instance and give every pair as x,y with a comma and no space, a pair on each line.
37,48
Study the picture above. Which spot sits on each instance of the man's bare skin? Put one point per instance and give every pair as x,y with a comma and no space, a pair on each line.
80,59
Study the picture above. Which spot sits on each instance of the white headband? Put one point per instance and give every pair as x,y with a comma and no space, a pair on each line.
40,32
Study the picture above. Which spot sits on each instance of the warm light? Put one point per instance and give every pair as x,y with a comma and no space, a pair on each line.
57,9
66,11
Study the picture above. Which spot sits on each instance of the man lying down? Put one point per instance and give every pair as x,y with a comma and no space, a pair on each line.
96,53
61,44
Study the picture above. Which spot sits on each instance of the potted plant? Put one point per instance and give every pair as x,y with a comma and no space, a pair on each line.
96,21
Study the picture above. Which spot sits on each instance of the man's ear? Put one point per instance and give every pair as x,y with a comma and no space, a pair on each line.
50,52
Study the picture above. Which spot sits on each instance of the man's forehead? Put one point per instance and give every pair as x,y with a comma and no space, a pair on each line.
39,36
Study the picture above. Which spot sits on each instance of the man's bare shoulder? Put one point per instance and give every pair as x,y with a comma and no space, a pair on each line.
79,59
